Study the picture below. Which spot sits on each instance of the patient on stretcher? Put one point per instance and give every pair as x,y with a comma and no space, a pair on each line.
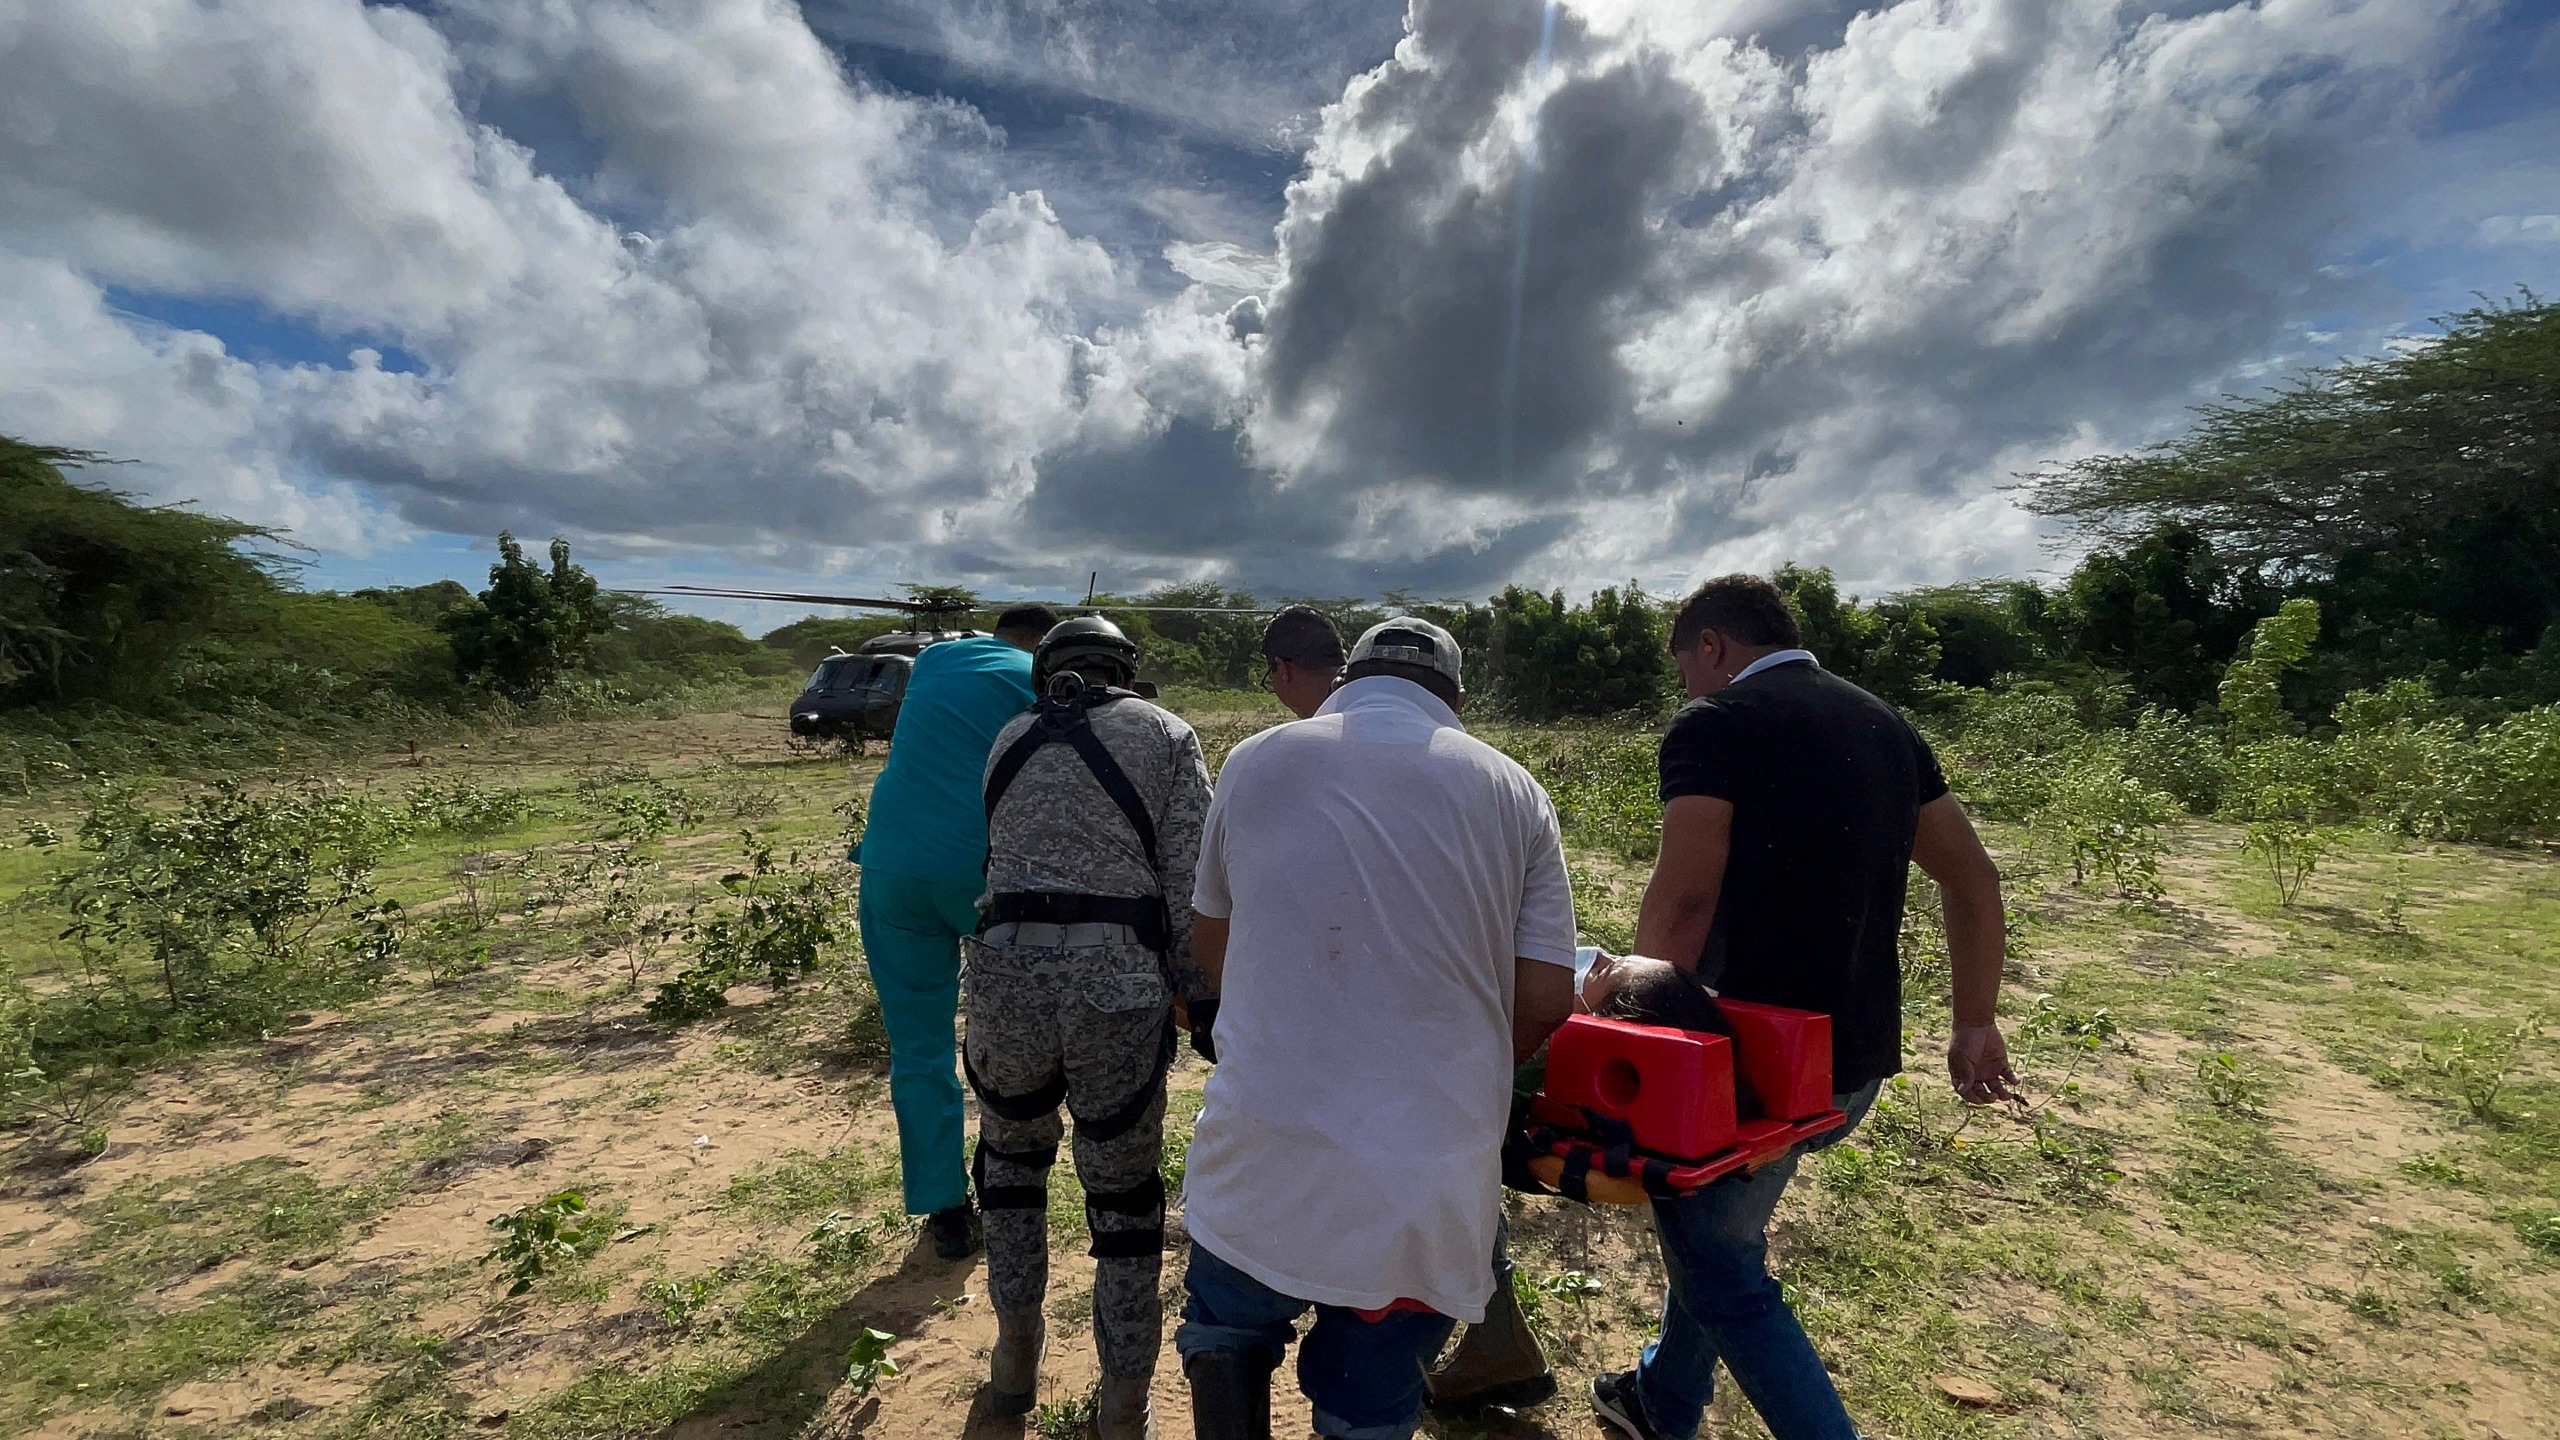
1631,1112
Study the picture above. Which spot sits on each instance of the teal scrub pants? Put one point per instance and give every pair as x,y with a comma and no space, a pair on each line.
911,929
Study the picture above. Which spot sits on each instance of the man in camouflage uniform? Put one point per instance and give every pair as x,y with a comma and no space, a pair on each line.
1094,807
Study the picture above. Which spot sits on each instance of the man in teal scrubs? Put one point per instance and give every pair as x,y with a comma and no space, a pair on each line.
924,860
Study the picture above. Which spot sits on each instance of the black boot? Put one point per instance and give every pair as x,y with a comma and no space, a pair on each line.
1230,1395
956,1232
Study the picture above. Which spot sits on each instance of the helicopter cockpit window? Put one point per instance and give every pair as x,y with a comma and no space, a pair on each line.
837,675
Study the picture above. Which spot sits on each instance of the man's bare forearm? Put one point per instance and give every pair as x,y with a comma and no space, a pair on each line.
1542,996
1209,948
1947,847
1977,950
1688,880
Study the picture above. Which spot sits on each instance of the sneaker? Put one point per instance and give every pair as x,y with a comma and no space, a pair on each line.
956,1233
1615,1401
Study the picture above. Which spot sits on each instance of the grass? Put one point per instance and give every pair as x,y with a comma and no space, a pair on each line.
2355,1215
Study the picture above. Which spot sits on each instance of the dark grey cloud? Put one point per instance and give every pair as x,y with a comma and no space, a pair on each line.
1005,291
1396,321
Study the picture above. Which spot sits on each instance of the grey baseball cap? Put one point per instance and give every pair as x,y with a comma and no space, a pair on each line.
1411,640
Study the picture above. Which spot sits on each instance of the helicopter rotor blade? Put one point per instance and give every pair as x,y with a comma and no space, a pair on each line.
915,607
867,602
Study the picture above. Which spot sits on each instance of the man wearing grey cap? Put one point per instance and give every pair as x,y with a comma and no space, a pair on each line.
1383,899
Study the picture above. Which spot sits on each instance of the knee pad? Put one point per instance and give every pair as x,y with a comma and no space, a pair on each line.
1144,1198
1012,1197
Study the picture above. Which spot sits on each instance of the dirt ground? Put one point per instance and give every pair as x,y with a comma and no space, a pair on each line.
2254,1194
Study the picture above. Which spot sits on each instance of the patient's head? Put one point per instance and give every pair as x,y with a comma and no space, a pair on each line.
1651,992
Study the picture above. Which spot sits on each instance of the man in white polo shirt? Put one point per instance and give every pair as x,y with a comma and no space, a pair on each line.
1385,898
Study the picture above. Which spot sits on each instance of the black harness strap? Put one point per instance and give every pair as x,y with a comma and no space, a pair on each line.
1574,1183
1028,1106
1070,720
1141,913
1009,1197
1144,1198
1127,1244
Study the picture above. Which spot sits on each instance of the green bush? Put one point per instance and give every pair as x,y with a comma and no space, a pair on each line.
2168,752
2520,756
784,919
547,1235
231,908
2401,765
2105,824
1606,657
2003,751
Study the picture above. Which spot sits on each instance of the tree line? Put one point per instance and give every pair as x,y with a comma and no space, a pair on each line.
2413,497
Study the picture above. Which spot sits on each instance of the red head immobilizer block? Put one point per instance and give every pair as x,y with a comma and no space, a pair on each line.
1786,1055
1673,1088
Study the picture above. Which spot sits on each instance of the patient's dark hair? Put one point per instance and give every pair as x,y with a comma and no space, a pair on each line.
1673,997
1666,996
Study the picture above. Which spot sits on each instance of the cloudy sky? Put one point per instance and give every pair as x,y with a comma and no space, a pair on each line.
1311,296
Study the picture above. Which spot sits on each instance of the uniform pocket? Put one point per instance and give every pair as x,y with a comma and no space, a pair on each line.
980,959
1119,994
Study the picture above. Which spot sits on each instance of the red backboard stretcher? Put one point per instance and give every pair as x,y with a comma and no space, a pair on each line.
1636,1111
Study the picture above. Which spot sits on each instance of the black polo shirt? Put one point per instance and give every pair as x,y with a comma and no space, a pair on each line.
1826,783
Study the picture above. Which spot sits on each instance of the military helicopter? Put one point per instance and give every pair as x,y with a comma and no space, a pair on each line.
854,697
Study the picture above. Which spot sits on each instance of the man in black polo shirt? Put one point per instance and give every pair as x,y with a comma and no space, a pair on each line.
1793,805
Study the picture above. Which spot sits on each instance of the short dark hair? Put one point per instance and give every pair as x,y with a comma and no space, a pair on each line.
1302,635
1744,607
1441,686
1038,618
1666,996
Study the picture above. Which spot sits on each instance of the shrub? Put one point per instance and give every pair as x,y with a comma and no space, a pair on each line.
868,1360
236,905
1606,657
2168,752
785,917
2521,755
2003,751
2252,696
2106,823
550,1233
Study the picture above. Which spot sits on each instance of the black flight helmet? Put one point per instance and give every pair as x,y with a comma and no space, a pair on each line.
1086,641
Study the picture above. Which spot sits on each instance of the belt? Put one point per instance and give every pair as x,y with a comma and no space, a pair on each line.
1144,914
1041,935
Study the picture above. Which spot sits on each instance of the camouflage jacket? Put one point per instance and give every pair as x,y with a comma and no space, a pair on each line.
1056,829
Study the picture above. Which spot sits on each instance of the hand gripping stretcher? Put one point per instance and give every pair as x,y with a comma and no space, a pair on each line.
1631,1113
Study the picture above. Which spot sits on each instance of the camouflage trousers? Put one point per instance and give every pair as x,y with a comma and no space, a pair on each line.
1086,1026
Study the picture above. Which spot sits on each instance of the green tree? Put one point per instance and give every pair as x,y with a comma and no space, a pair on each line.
1547,658
529,627
1889,650
2412,494
2252,690
1985,628
2166,612
99,596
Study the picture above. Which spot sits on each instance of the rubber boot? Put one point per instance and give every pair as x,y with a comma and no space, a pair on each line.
1497,1363
1230,1395
1120,1409
1013,1368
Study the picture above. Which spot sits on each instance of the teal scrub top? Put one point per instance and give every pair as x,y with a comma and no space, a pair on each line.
929,809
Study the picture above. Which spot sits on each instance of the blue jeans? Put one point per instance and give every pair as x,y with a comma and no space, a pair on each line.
1723,1304
1364,1377
911,929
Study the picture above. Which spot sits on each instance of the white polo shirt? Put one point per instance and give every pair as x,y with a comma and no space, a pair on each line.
1380,868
